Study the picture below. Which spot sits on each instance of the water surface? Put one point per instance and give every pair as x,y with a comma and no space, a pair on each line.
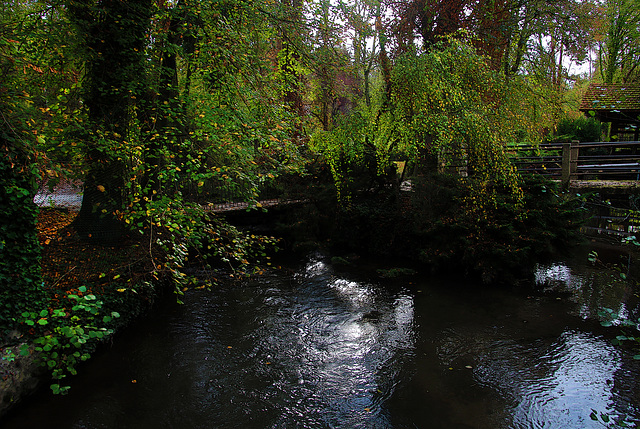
315,346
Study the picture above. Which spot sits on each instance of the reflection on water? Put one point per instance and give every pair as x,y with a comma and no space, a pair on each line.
591,288
557,384
318,348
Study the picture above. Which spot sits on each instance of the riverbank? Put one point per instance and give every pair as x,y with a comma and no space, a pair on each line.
115,276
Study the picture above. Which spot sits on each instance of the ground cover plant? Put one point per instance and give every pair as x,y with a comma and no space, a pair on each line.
89,291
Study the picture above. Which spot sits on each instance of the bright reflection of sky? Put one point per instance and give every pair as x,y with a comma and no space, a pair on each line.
353,292
560,388
554,272
339,344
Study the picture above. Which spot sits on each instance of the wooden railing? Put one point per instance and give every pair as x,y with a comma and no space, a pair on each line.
579,161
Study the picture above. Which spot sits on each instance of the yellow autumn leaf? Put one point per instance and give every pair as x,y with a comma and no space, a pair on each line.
101,188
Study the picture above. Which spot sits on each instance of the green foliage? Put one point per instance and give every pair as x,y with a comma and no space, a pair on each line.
440,228
157,133
582,129
450,107
181,233
448,111
350,152
501,243
170,126
618,49
41,76
69,335
451,117
20,279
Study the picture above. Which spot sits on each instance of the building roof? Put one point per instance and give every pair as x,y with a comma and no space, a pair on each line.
611,97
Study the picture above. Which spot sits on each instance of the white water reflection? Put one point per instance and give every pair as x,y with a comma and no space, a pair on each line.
353,292
578,370
555,273
558,388
314,267
331,339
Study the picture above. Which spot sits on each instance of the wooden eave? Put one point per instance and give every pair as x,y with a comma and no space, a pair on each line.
612,102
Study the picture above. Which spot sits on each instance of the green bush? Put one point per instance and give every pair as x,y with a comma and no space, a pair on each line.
443,230
582,129
20,279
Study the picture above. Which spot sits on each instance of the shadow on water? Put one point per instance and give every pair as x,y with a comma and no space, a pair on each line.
318,347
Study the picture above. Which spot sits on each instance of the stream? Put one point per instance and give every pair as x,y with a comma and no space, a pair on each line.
314,345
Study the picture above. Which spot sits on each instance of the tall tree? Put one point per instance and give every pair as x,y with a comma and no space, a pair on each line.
289,53
619,49
115,34
428,19
361,17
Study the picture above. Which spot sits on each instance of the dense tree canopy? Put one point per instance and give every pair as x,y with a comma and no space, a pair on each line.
158,106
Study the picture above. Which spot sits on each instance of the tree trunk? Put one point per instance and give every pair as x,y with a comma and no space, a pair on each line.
292,97
114,33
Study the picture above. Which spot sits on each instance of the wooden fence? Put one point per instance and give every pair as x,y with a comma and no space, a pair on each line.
579,161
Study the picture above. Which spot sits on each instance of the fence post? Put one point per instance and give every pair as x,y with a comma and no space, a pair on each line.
570,153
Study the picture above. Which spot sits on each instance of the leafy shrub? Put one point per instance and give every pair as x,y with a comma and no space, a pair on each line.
503,242
582,129
20,279
73,334
442,229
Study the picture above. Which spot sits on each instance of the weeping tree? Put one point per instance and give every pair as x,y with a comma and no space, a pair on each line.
451,113
448,111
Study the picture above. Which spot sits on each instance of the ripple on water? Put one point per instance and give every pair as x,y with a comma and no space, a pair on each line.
316,349
556,385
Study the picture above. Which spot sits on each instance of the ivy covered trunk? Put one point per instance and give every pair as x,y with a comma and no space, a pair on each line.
20,277
114,33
